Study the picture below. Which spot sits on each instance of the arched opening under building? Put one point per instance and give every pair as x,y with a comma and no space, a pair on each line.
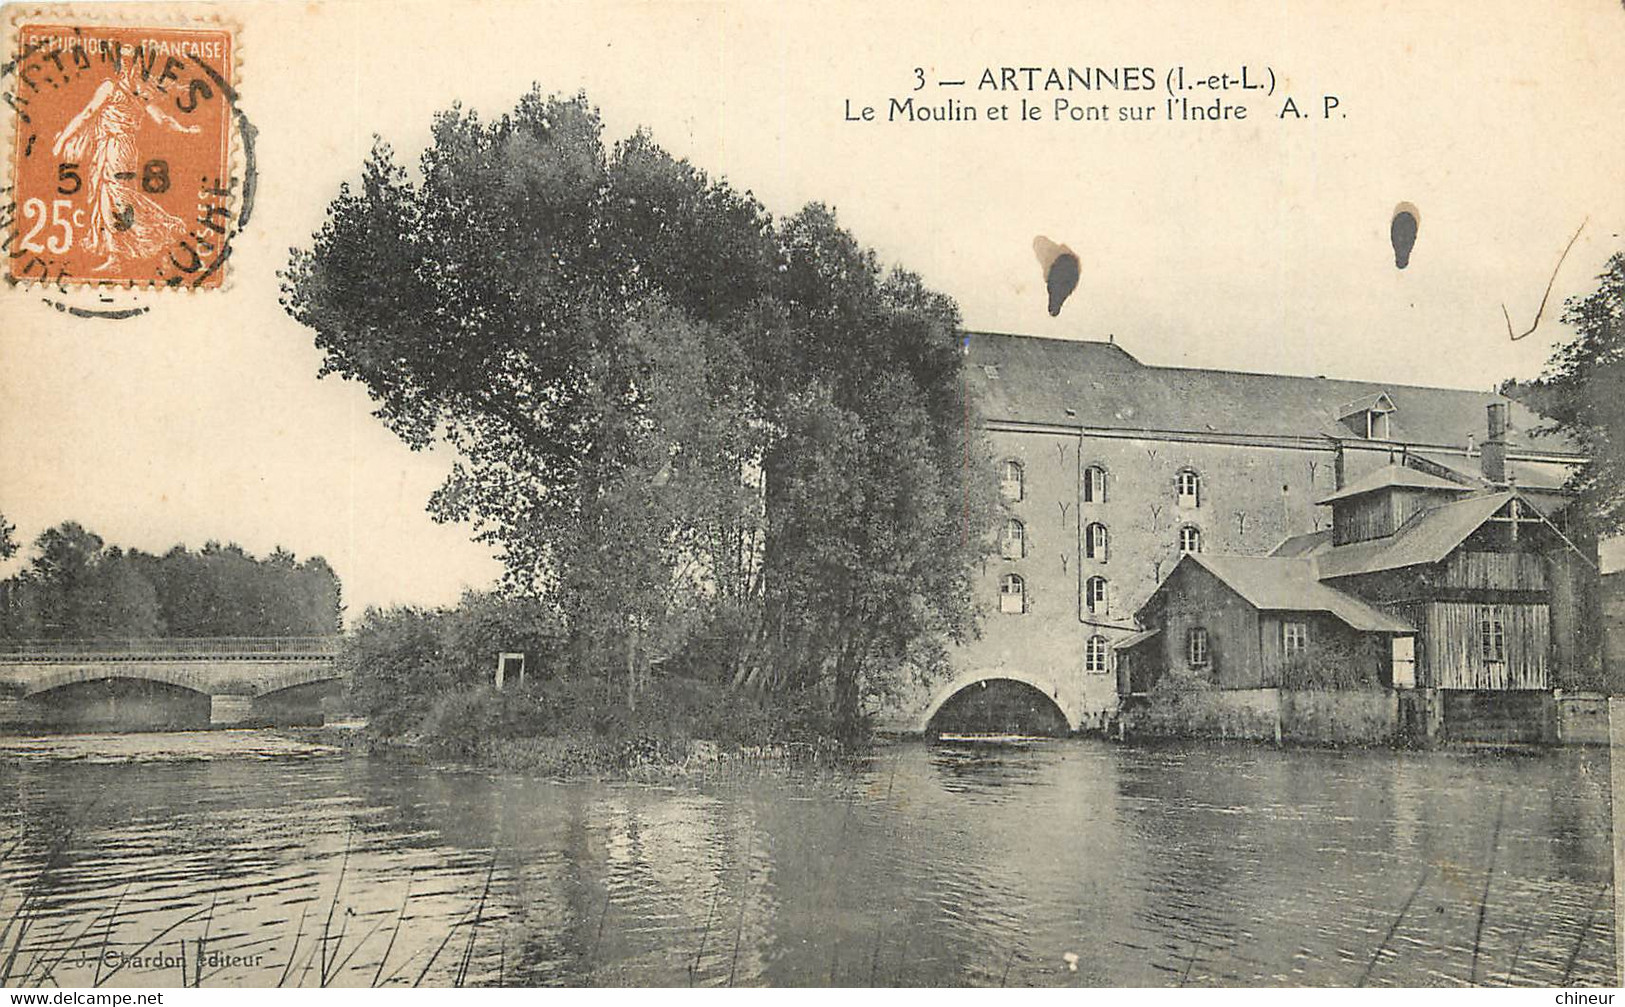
118,704
997,707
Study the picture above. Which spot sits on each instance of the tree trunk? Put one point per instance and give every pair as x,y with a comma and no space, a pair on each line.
847,665
632,668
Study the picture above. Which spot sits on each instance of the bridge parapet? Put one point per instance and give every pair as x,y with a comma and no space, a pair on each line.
278,648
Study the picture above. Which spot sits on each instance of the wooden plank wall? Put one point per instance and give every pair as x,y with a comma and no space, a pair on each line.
1201,599
1577,623
1455,660
1366,517
1501,571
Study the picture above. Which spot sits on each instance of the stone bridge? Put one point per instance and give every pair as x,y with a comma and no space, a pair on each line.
167,682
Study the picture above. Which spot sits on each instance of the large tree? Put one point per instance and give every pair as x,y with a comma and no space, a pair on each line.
673,416
1583,392
76,587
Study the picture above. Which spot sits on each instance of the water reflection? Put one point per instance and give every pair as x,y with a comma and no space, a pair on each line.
1043,863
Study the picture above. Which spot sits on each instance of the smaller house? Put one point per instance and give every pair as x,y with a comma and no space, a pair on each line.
1258,622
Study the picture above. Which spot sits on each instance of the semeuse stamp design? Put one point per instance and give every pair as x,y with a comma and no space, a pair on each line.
121,170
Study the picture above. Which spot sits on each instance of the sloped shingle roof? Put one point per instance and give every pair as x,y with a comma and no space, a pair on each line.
1529,475
1394,476
1274,583
1428,537
1093,384
1307,544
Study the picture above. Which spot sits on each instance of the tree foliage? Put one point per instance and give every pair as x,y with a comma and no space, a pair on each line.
77,587
1582,392
8,545
401,660
709,436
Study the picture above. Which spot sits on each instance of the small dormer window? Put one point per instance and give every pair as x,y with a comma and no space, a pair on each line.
1369,416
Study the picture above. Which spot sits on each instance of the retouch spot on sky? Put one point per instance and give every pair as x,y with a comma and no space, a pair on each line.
1061,271
1402,232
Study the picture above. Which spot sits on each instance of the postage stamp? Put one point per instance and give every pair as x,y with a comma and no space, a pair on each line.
121,167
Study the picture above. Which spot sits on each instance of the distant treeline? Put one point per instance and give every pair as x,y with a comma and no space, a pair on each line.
77,587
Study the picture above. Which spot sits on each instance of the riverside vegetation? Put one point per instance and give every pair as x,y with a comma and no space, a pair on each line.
729,463
423,678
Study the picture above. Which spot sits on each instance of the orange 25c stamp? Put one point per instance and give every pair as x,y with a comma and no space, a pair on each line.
122,156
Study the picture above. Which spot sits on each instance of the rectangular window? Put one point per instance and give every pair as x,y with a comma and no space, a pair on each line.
1404,653
1012,481
1094,484
1189,489
1094,657
1012,595
1196,647
1013,545
1094,595
1492,636
1294,638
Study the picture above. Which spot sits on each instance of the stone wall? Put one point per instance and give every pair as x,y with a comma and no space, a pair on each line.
1320,717
1339,717
1226,714
1582,718
1046,642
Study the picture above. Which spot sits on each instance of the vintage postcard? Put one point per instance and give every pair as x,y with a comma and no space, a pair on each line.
719,494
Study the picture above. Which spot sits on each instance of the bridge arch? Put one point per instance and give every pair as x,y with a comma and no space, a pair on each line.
964,680
293,678
179,676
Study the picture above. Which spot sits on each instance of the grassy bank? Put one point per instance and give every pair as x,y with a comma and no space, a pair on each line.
583,730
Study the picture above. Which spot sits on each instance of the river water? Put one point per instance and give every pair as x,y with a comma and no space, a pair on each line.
1071,862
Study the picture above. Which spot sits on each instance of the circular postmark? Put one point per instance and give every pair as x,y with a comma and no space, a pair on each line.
132,165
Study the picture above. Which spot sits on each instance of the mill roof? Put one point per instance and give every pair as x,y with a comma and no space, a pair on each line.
1071,382
1279,584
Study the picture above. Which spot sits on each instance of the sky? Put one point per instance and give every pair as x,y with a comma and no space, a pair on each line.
1260,244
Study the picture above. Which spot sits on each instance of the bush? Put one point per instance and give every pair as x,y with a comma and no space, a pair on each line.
403,660
1332,665
426,676
582,725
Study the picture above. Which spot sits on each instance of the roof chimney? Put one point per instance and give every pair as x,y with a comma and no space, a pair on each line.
1493,455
